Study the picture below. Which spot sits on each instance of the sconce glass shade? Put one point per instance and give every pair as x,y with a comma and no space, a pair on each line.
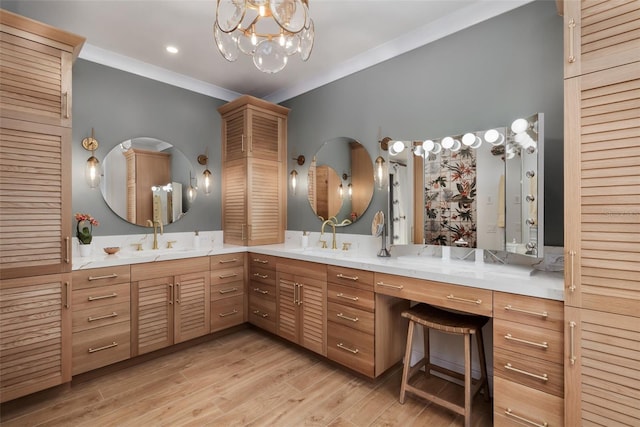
350,190
93,172
341,191
191,193
293,181
207,181
380,172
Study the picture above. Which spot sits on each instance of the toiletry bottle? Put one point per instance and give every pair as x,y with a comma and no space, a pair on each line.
196,240
305,239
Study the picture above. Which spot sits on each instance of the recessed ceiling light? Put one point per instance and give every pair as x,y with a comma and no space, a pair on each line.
172,49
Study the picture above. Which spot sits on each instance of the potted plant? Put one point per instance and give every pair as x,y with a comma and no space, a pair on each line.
84,228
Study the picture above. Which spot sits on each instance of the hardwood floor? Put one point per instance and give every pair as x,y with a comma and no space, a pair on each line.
243,379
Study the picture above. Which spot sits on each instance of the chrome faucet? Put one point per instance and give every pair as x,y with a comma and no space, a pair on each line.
155,224
333,226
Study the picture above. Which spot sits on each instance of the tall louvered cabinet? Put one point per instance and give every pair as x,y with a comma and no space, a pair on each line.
35,205
254,181
602,212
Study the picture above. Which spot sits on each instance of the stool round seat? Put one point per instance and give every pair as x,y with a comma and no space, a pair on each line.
465,325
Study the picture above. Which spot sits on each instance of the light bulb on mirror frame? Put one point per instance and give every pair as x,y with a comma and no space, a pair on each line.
447,142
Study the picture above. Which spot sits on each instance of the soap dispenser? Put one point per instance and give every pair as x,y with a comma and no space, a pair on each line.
196,240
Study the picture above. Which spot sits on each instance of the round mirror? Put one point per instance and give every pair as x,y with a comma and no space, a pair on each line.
340,181
148,179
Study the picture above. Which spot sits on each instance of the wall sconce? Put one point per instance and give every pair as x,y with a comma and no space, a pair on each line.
293,175
192,190
207,176
380,165
93,170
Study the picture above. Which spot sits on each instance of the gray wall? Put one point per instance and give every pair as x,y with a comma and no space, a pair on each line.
121,106
479,78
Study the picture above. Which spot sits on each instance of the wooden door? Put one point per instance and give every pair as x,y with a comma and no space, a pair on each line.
287,297
234,136
234,202
265,130
35,334
602,190
601,368
312,294
265,202
154,299
600,34
192,306
35,199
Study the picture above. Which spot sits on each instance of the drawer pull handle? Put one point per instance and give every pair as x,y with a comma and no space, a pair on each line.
227,261
262,276
67,250
543,344
572,25
67,294
342,276
263,315
509,413
542,377
260,291
108,276
104,347
261,261
228,290
113,295
572,256
106,316
572,338
351,350
472,301
341,295
389,285
342,316
231,313
226,276
66,105
544,314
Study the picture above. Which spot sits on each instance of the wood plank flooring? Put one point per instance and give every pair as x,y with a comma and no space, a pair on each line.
243,379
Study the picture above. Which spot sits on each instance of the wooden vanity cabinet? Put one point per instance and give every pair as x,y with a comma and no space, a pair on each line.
35,140
171,303
301,289
528,360
254,176
602,201
101,317
262,291
228,296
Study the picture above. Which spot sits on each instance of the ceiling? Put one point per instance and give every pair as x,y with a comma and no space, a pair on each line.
351,35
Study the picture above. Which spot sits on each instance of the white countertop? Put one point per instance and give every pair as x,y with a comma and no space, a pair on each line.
515,279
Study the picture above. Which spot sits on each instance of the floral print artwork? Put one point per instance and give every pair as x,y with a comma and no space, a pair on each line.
450,198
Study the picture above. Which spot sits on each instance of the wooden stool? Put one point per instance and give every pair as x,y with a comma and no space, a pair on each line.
451,323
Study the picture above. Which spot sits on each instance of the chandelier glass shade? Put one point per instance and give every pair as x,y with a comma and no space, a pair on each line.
268,30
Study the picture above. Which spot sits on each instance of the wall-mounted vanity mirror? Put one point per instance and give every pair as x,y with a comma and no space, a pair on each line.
476,190
340,181
148,179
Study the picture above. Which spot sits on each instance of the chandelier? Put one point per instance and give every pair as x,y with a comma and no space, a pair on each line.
268,30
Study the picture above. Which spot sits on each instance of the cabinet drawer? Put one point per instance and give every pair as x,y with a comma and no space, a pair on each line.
455,297
351,348
262,261
518,405
225,290
538,312
350,277
353,297
529,371
262,275
101,296
262,313
227,275
98,277
524,339
351,317
227,312
95,348
95,317
262,291
223,262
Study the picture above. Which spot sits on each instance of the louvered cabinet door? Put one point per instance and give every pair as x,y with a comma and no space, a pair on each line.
154,308
235,140
35,334
234,202
600,34
601,368
287,307
265,202
265,135
35,199
313,316
602,190
191,305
